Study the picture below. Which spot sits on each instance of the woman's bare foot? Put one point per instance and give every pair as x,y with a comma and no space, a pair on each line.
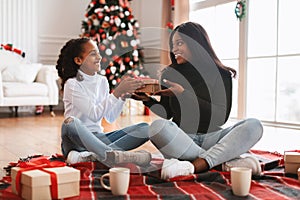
200,165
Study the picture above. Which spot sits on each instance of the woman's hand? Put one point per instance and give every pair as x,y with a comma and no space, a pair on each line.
173,89
127,86
140,96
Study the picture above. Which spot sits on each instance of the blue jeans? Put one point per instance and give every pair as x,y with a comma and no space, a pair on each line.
76,136
215,147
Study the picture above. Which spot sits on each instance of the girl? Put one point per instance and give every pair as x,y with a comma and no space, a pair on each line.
87,101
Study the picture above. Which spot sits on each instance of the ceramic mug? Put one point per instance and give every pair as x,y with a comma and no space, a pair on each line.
240,180
118,180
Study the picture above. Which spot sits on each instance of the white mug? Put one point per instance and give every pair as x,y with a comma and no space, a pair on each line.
240,180
118,180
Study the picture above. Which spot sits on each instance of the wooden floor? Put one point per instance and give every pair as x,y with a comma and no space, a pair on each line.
28,134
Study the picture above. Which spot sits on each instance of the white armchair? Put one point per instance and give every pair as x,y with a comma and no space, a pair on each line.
26,84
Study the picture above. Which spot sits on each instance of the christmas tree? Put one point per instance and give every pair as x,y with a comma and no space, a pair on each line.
111,24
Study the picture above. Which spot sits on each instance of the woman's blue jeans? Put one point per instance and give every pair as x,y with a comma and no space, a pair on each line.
75,136
215,147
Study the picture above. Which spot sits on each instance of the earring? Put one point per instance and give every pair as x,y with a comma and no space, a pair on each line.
79,77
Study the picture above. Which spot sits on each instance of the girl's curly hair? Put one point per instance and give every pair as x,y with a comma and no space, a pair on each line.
65,65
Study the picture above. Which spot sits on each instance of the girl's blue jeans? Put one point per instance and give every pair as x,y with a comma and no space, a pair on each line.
76,136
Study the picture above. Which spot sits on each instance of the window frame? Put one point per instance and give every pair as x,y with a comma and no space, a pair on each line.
243,60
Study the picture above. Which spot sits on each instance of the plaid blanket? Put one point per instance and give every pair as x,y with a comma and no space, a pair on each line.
273,184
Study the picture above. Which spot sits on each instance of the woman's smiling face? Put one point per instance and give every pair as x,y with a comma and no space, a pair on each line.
180,49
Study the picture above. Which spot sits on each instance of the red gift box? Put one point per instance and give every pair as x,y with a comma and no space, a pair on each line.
151,86
42,179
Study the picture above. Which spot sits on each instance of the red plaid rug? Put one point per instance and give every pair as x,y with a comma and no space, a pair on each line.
273,184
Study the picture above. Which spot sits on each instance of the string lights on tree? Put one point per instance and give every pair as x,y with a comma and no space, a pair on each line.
111,24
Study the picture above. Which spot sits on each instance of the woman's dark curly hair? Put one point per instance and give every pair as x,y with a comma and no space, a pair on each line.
66,66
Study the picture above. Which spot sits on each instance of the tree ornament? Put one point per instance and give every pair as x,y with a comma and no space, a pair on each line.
170,24
108,52
9,47
240,9
126,59
111,24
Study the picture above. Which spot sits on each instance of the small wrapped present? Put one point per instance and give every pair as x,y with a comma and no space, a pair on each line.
291,161
151,86
44,181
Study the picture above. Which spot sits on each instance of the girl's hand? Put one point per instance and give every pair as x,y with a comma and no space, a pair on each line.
127,86
173,90
140,96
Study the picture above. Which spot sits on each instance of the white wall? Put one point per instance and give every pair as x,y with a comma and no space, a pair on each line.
18,25
149,15
53,23
59,21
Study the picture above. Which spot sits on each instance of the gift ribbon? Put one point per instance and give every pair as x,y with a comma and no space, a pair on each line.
40,163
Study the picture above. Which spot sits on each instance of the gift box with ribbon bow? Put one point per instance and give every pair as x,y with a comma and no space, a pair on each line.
291,161
44,179
151,86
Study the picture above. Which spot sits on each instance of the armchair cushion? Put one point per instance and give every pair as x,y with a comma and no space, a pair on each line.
24,73
9,58
11,89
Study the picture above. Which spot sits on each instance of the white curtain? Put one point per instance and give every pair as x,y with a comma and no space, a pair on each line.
18,19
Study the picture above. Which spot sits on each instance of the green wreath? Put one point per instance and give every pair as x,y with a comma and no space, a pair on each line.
240,9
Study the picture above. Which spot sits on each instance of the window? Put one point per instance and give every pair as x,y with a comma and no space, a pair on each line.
222,28
272,62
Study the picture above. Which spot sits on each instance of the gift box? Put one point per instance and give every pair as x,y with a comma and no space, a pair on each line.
36,183
151,86
291,162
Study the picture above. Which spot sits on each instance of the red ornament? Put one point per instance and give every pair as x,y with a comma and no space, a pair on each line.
127,59
107,71
170,25
130,17
92,32
102,47
172,2
100,30
104,60
116,58
114,29
146,111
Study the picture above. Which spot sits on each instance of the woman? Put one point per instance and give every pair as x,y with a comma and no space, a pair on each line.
87,101
197,95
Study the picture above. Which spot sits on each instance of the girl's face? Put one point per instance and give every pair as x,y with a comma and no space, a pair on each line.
90,58
180,49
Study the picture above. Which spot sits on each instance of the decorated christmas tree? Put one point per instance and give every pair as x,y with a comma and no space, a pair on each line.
111,24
